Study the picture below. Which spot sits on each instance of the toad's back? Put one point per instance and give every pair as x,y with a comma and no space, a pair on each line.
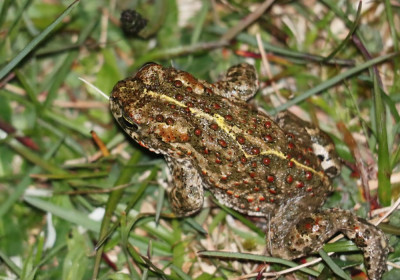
243,157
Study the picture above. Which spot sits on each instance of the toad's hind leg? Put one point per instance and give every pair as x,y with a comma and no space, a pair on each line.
312,231
239,82
307,134
186,193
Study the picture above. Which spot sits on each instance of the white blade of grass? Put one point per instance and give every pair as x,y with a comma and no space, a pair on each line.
96,89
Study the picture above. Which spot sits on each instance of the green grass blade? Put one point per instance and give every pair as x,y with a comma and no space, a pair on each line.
11,265
253,257
66,66
199,23
34,157
14,62
299,56
25,182
28,270
112,203
72,176
238,216
17,19
4,9
160,200
335,268
348,37
65,123
395,158
333,81
182,275
384,170
28,88
70,215
395,37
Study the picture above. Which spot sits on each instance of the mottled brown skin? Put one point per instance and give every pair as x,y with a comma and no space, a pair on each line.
211,138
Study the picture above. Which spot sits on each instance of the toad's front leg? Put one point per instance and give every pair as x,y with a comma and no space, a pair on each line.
186,194
311,232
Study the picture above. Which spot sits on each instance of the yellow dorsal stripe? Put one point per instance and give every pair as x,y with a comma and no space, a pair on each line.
228,129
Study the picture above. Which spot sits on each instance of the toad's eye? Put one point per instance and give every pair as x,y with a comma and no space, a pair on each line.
127,122
147,64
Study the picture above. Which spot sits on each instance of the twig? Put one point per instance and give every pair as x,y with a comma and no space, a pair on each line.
231,33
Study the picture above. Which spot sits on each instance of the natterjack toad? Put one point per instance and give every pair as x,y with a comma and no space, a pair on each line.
275,168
